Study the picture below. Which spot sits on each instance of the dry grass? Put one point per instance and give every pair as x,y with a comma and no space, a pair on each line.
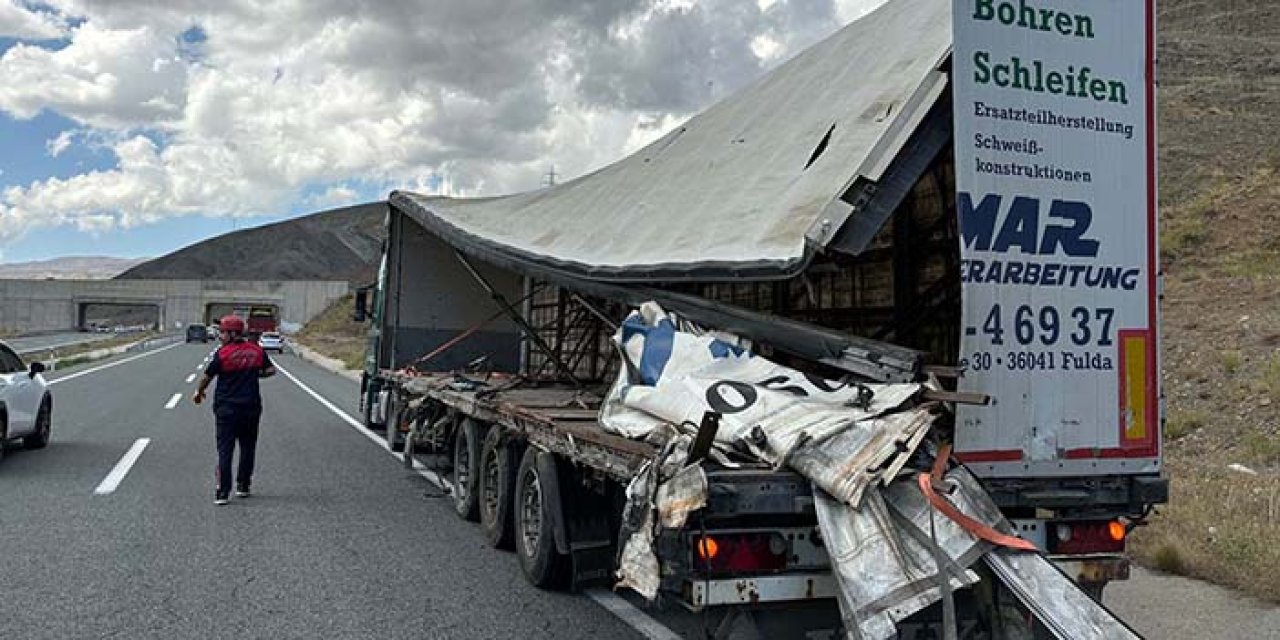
71,356
1219,525
1180,424
1220,207
335,335
1231,360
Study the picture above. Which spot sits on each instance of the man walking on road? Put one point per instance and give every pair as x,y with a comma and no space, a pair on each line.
237,403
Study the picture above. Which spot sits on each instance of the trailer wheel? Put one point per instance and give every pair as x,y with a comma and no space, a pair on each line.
466,469
395,437
368,415
499,462
541,562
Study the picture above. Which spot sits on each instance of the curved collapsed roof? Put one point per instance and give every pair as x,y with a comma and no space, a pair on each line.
751,187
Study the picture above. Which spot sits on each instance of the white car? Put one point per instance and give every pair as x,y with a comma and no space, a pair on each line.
26,406
271,341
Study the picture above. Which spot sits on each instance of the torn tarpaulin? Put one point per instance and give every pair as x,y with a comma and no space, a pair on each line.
892,551
774,413
664,492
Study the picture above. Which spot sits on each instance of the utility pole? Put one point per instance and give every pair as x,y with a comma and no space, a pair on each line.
551,176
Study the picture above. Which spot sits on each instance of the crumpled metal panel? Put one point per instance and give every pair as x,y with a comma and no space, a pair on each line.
848,462
1068,612
884,554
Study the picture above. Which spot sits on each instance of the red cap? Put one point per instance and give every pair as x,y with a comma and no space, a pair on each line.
231,324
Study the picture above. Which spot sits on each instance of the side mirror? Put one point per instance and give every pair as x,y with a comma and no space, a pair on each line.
362,306
37,368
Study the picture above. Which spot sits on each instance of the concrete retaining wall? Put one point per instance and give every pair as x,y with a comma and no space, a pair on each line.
54,305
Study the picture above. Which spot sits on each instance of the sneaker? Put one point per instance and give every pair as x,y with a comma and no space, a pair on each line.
221,499
242,491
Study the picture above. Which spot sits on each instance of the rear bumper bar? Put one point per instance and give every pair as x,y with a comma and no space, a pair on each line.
1093,569
697,594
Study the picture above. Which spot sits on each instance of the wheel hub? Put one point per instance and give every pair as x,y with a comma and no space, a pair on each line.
531,514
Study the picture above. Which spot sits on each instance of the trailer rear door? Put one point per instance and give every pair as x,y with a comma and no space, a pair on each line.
1055,170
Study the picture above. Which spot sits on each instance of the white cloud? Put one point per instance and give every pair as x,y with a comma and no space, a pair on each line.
17,21
283,98
335,196
58,144
104,78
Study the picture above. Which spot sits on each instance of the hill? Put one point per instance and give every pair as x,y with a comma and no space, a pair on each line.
68,268
1220,204
340,244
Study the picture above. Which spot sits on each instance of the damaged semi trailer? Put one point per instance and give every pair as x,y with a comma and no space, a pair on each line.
845,216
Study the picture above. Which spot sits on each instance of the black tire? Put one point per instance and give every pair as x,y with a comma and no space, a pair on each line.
466,466
368,413
535,542
395,437
499,462
44,426
408,457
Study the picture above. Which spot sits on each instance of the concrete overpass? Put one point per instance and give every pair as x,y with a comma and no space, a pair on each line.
58,305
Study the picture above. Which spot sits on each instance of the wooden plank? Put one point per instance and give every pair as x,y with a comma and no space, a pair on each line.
578,437
958,397
568,414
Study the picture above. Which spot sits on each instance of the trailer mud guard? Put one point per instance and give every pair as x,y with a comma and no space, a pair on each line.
550,474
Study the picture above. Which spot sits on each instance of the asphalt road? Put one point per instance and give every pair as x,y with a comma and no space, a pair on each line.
338,541
27,344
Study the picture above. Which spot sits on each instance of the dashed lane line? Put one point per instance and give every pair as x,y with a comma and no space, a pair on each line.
113,479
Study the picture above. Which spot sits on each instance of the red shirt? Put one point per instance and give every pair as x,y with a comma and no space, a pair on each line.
237,366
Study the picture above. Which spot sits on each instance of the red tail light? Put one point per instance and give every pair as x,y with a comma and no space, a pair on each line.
1094,536
740,553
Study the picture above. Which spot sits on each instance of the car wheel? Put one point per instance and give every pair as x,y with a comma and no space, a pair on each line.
44,425
466,469
535,542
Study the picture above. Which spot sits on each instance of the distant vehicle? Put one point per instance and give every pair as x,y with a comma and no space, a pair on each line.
271,341
27,403
262,320
197,333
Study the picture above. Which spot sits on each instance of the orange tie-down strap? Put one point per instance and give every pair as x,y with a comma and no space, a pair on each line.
949,510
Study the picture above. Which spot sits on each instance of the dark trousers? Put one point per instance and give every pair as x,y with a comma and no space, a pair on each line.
236,423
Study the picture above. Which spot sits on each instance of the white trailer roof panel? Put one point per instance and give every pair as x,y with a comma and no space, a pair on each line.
749,187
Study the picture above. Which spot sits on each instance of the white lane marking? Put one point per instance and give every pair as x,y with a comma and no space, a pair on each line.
173,402
422,469
191,378
628,613
112,364
121,469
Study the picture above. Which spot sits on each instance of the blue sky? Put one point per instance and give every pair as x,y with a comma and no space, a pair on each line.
133,128
25,159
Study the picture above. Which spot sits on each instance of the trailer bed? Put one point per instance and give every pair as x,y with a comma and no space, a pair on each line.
556,417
